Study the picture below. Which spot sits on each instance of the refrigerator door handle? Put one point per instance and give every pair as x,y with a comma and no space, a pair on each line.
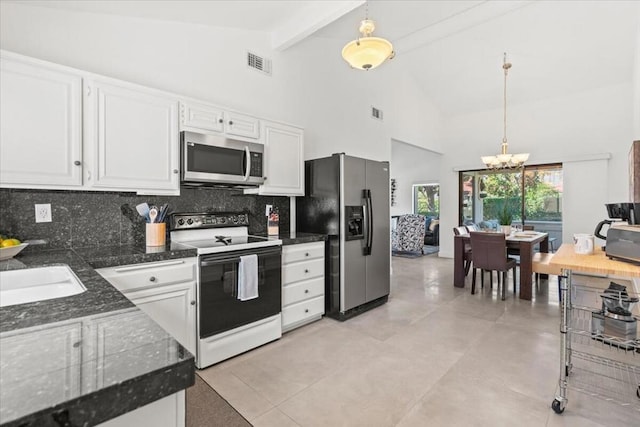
368,215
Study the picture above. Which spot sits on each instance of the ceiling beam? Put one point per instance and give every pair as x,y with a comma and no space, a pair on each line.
317,15
473,16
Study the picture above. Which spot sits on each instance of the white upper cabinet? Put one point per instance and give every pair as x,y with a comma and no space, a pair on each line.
131,134
283,162
241,125
207,118
40,125
196,116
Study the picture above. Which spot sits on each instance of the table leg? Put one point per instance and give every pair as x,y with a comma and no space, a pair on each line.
458,263
526,270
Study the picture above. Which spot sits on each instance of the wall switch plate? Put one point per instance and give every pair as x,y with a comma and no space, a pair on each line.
43,212
268,210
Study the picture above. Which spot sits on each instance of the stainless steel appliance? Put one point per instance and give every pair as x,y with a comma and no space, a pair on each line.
215,160
347,198
226,325
623,236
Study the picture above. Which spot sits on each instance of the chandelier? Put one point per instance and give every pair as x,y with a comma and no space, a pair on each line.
367,52
505,160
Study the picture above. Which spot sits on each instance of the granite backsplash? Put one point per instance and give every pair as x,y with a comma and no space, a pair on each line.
90,219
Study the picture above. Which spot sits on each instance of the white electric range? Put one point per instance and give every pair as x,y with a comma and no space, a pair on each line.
227,325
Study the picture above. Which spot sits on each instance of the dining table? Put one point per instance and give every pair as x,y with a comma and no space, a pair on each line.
524,241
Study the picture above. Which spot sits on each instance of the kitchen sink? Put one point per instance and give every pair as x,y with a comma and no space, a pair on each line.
38,284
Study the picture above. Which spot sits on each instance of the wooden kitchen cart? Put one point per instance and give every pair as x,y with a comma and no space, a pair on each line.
595,358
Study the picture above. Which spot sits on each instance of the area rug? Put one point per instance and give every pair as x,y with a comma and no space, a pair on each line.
428,250
206,408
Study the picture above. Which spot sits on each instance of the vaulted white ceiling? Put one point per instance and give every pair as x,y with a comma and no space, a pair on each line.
453,49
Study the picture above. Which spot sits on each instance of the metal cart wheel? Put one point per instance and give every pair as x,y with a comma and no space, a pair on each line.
557,406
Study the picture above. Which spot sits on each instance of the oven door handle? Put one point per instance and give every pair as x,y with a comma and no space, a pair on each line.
217,261
247,167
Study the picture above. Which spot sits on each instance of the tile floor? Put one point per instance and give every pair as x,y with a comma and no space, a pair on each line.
434,355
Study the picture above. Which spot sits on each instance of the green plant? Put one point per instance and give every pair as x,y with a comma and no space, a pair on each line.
505,216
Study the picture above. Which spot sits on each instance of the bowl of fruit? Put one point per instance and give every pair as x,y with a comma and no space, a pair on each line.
10,247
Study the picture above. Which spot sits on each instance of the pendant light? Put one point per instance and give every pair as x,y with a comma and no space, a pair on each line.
505,160
367,52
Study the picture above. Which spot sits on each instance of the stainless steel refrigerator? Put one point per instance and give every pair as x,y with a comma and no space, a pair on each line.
347,198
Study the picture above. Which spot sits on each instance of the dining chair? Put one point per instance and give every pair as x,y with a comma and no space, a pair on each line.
457,231
489,252
472,227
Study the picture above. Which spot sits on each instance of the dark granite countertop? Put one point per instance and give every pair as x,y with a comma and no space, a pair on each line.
296,237
51,359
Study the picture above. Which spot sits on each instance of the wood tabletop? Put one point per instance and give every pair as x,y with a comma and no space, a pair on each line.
521,236
567,258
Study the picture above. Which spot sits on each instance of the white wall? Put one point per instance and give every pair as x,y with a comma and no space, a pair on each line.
552,130
311,86
411,165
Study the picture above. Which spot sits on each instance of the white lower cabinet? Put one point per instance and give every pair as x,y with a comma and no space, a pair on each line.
52,365
302,284
170,411
165,290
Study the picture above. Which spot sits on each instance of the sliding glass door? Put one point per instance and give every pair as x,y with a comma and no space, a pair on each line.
529,196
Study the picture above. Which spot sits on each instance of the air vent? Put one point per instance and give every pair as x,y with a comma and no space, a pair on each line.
376,113
259,63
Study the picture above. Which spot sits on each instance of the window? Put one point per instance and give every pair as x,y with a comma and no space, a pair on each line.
426,199
533,196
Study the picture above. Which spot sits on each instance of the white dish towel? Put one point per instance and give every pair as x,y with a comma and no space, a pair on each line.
248,277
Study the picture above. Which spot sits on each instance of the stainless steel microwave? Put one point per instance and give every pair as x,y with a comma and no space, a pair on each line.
216,160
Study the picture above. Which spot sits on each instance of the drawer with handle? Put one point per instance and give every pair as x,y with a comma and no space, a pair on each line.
137,276
300,291
302,270
302,251
295,313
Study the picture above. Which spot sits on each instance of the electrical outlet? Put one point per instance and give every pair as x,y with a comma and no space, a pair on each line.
43,212
268,210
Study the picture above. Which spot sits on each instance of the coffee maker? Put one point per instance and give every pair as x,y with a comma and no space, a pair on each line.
623,236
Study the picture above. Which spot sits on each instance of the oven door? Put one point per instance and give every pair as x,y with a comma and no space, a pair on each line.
218,160
219,308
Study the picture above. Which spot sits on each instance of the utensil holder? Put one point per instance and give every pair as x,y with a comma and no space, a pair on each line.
156,234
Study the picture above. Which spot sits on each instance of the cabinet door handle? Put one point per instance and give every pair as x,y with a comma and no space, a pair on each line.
264,177
77,163
152,279
220,121
176,171
306,310
193,302
230,122
306,291
306,254
306,270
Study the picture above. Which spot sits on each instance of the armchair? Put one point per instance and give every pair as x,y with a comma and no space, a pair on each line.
432,233
408,235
